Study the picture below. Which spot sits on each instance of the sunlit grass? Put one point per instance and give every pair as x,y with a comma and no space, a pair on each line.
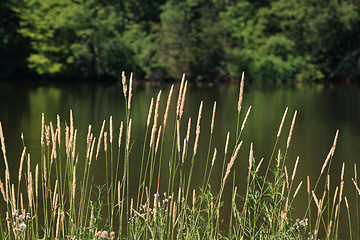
57,199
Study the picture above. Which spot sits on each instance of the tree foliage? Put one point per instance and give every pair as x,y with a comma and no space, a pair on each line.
280,40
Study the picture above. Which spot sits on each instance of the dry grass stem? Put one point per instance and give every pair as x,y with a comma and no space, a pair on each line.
246,117
28,164
188,130
123,78
119,193
295,167
282,123
131,206
347,204
334,143
213,118
155,207
7,179
67,140
356,186
74,182
128,136
335,195
59,129
213,158
278,159
259,164
178,134
3,148
308,184
158,140
92,150
180,95
241,92
342,172
179,196
130,90
73,146
13,197
89,146
88,140
150,112
174,213
105,141
22,203
100,138
111,130
198,128
297,190
42,130
21,163
30,190
231,163
153,131
328,182
291,130
183,100
329,229
193,199
47,135
341,191
355,172
58,224
168,105
3,191
287,178
120,133
233,203
336,211
71,127
37,180
156,114
326,162
227,142
251,156
184,151
315,199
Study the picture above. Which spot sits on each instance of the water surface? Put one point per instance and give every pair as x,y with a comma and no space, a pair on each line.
321,111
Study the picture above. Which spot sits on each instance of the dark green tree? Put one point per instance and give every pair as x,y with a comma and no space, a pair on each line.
87,38
291,39
190,38
13,48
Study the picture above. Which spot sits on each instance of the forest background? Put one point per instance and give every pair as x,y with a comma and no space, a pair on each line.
211,40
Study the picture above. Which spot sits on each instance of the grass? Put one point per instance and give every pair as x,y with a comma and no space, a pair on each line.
56,200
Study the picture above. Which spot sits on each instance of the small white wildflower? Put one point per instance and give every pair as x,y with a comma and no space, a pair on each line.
104,234
22,226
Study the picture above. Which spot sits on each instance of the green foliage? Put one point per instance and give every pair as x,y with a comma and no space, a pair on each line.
190,38
13,50
290,39
278,41
84,38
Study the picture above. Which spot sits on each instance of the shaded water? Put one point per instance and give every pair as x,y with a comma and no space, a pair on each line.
321,111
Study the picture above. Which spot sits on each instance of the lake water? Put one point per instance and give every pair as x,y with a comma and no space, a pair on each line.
322,109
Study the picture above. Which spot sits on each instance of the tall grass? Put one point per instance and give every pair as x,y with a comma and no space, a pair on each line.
59,200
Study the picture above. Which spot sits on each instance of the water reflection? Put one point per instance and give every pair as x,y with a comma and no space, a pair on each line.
321,111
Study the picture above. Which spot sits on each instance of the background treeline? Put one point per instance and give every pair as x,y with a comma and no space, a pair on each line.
280,40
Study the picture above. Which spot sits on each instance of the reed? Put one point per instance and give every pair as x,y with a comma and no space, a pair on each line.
54,195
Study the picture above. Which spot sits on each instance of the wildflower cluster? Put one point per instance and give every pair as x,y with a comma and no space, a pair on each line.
104,235
299,227
153,215
19,221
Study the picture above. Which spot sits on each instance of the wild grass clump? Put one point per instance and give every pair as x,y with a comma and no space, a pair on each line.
55,197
